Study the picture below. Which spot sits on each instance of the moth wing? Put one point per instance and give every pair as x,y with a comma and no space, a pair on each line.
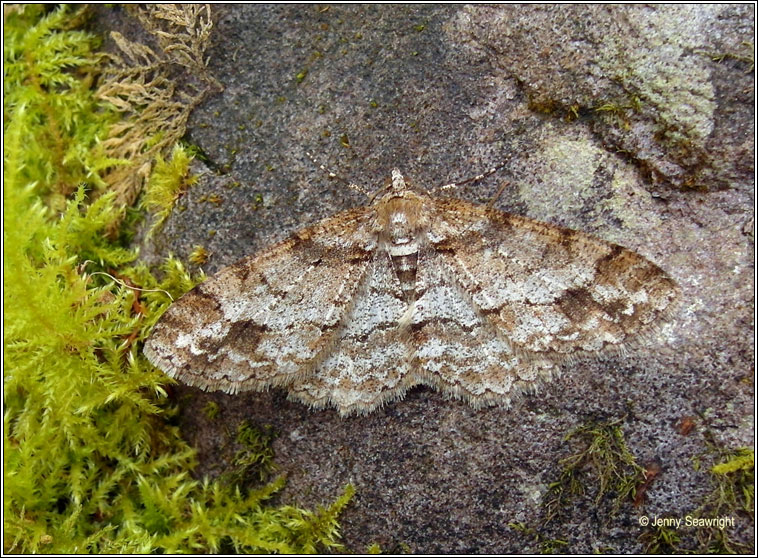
457,348
549,290
370,358
268,318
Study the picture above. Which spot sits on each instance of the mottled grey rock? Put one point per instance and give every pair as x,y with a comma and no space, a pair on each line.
443,93
642,75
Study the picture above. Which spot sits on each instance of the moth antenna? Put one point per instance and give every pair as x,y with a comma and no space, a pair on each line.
476,178
331,174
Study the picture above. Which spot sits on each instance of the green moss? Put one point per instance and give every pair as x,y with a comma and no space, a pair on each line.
168,182
618,114
742,460
211,410
602,465
257,202
545,545
92,462
733,480
256,458
661,540
199,255
48,69
732,495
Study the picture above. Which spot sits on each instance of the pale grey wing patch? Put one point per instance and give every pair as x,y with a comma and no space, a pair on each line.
369,361
458,351
267,319
546,288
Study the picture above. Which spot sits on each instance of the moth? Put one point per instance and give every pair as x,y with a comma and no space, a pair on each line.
412,289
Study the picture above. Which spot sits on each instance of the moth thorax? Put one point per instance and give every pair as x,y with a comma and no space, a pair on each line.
400,221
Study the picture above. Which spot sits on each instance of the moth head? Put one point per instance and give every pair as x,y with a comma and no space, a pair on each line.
395,186
397,181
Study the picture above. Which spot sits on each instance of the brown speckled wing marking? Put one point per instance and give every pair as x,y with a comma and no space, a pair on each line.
355,310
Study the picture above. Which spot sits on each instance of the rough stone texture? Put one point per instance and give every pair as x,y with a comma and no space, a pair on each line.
641,73
443,93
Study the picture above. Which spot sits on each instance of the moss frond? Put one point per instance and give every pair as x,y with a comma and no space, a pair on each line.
183,31
732,495
256,458
211,410
743,459
199,255
48,70
661,540
546,545
141,85
604,457
168,181
317,529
